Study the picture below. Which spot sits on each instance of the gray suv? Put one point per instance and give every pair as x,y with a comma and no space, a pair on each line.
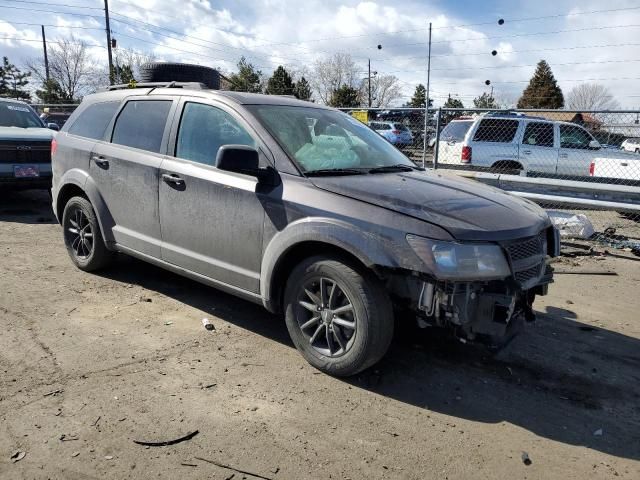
302,209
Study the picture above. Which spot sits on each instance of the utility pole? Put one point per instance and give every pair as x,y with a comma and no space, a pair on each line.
46,57
108,27
426,106
369,79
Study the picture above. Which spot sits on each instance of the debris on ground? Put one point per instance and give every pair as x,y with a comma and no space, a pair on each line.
68,438
17,456
571,225
207,324
619,242
165,443
168,322
525,459
585,272
228,467
53,393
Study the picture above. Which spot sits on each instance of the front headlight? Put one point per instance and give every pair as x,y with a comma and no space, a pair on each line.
460,261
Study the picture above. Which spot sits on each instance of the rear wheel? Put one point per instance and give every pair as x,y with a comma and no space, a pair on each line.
507,167
82,236
338,315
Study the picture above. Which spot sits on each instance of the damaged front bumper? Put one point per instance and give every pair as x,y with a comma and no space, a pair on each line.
491,311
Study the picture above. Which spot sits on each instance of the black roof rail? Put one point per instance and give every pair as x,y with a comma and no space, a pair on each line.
154,85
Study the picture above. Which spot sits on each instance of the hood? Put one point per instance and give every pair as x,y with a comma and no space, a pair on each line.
30,134
468,210
612,154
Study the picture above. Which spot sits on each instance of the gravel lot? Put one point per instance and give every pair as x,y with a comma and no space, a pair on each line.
90,363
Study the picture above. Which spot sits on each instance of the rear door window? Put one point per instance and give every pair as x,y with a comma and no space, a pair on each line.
455,131
496,130
93,121
141,124
539,134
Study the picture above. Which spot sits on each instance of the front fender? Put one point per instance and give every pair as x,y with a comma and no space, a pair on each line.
82,180
370,247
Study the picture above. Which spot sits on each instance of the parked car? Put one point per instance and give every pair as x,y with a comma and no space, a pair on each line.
519,142
25,147
59,118
615,168
396,133
631,145
300,208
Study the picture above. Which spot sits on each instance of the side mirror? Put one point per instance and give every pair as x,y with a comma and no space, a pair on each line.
594,145
239,159
53,126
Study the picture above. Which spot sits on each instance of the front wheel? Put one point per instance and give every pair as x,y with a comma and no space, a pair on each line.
338,315
82,236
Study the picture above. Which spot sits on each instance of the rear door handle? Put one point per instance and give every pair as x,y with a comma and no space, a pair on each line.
100,161
564,155
526,152
172,179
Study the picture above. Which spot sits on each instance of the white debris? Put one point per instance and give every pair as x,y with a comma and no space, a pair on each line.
571,225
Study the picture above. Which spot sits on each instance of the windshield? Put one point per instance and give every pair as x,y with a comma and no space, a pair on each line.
318,139
18,115
456,130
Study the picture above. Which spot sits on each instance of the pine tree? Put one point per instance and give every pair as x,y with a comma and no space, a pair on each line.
52,93
543,90
485,100
280,83
248,79
447,116
302,90
12,81
345,97
419,97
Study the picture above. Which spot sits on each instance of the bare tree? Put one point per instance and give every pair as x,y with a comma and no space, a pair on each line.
590,96
132,58
332,73
70,67
384,90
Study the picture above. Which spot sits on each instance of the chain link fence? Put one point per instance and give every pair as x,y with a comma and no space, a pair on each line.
582,166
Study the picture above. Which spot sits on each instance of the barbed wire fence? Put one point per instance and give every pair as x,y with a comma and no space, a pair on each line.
582,166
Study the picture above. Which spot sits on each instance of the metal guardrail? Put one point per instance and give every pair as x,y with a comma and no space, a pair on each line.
564,193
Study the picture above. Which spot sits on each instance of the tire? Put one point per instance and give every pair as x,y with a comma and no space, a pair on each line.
506,168
180,72
365,330
82,236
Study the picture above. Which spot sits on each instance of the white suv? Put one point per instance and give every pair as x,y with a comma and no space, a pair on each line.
515,142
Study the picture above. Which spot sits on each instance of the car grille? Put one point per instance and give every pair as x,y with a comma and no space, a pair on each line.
527,259
25,152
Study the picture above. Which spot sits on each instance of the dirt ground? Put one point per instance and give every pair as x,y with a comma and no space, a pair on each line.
89,363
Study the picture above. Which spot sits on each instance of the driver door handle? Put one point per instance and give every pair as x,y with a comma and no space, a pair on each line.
172,178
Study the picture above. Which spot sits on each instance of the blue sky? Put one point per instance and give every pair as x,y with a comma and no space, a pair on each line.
575,42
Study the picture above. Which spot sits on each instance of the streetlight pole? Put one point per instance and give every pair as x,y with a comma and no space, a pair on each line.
426,106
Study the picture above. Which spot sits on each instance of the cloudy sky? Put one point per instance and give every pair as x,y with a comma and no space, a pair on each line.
583,41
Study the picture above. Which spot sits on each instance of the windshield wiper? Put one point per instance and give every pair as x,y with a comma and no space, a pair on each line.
328,172
400,167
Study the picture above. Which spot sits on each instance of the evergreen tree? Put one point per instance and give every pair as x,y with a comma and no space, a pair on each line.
280,83
123,74
52,93
302,90
419,98
247,79
485,100
12,81
345,97
543,90
451,103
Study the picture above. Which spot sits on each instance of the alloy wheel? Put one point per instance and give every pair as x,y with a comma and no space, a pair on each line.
79,234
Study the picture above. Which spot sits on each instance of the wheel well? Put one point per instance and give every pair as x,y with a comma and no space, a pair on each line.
507,165
296,254
66,193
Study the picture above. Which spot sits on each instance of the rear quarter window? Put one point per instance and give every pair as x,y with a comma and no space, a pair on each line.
496,130
93,121
456,130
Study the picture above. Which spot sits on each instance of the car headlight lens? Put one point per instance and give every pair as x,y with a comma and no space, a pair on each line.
460,261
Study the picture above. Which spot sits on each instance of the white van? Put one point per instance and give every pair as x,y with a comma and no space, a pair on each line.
516,142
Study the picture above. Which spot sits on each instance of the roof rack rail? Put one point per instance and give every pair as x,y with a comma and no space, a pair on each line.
133,85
